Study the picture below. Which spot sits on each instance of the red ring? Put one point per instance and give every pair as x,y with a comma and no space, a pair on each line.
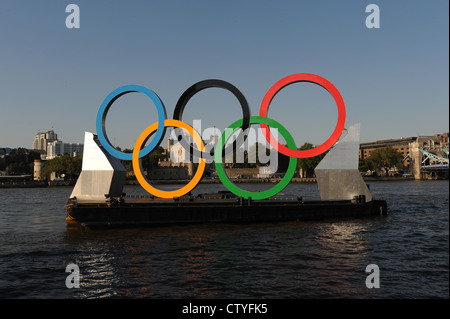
304,77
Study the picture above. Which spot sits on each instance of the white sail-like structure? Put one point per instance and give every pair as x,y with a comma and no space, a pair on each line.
102,175
337,175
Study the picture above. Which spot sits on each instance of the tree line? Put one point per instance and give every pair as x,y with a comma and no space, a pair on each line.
21,161
64,165
382,159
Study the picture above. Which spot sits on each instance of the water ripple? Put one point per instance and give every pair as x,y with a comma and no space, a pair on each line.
324,259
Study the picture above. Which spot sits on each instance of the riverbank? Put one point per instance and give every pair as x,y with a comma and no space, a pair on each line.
28,184
33,184
270,180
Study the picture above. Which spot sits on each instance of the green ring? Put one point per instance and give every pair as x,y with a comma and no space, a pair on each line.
221,171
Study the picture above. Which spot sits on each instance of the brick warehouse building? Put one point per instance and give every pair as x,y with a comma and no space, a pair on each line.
402,145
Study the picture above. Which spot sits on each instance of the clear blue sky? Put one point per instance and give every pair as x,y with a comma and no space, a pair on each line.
394,80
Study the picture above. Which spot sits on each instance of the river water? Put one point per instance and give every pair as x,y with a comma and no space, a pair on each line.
320,259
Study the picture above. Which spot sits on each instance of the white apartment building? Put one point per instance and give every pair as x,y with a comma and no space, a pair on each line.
42,139
58,148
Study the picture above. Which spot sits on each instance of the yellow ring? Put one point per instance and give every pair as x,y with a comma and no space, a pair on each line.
137,167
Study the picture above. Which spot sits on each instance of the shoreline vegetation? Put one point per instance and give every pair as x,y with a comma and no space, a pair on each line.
31,184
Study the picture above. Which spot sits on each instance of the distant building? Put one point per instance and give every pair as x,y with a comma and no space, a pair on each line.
49,146
42,139
58,148
179,164
182,166
443,140
400,145
435,143
39,174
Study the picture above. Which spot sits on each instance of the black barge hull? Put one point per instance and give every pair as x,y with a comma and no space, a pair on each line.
148,211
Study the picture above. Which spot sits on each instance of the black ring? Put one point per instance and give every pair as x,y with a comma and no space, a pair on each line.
197,87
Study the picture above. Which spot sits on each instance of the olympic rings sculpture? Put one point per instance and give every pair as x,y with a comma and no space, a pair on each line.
158,129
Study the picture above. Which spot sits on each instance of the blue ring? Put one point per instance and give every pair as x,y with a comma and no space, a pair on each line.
103,111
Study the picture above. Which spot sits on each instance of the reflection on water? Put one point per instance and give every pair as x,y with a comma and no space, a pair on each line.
324,259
